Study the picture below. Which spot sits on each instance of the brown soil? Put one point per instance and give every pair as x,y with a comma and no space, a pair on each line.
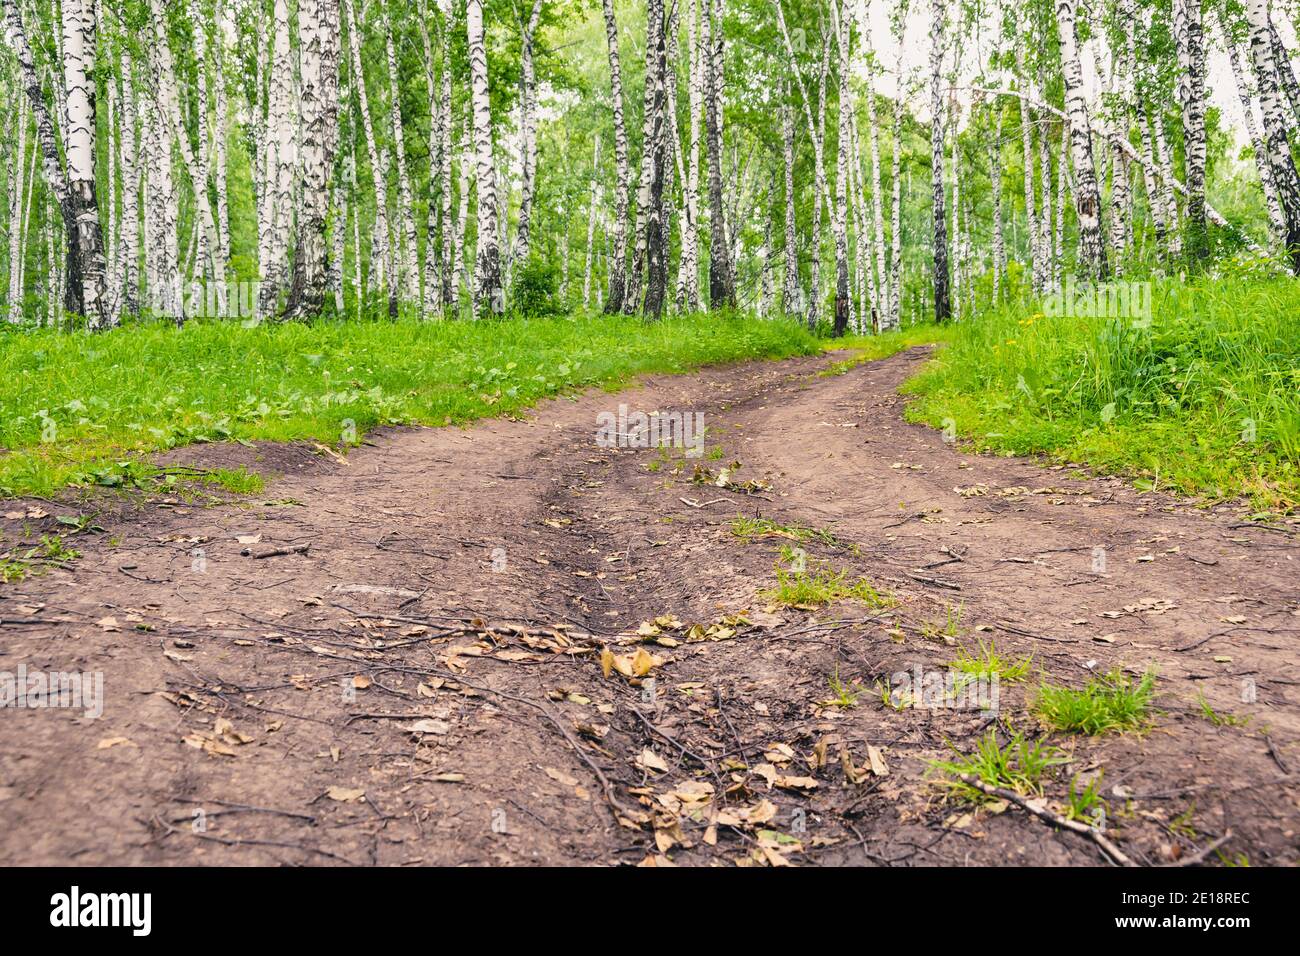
269,692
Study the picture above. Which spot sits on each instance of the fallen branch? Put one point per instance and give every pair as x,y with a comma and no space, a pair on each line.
1199,856
1039,809
279,552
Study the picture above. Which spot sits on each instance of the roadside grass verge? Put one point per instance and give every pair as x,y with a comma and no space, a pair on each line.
1203,401
72,405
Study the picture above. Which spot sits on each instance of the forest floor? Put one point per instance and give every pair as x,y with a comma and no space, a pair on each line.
422,683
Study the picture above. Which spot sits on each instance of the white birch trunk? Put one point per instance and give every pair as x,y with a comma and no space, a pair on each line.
1275,125
488,296
1092,252
318,26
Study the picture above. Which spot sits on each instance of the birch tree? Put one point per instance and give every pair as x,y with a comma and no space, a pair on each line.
1190,40
622,164
488,295
942,305
527,131
1280,161
722,282
318,25
1092,254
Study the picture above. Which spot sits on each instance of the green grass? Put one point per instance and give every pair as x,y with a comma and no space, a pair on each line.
845,695
1204,401
17,564
1218,719
75,404
870,348
749,530
1086,805
1110,703
988,663
821,586
1019,765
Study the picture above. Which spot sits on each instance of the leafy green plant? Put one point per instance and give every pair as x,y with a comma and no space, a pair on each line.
946,631
1218,719
1018,765
988,662
1202,399
749,529
1108,703
1083,805
822,586
845,695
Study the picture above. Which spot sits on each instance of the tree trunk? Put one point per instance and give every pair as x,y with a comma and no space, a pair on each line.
221,250
448,296
840,224
995,177
405,257
790,291
1190,40
593,207
942,306
280,161
688,272
16,167
73,190
318,25
722,280
1277,222
527,132
1275,125
380,244
488,295
896,217
656,149
1092,253
623,168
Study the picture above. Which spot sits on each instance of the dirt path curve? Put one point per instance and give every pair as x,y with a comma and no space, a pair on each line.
424,685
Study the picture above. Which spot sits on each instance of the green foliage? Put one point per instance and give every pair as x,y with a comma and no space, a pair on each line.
749,530
535,289
1110,703
989,663
1019,765
1205,400
81,410
1218,719
817,587
1085,805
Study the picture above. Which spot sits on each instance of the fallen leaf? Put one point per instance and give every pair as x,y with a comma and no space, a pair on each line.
345,794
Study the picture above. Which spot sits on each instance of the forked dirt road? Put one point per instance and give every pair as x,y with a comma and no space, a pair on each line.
424,684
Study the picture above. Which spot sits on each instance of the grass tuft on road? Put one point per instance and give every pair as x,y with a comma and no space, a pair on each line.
1110,703
74,405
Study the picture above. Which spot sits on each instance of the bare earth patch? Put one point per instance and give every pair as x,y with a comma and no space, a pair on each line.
399,657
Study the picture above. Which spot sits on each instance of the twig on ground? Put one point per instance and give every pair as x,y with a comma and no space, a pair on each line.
1040,810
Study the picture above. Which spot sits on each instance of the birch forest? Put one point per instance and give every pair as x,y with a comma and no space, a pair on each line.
858,163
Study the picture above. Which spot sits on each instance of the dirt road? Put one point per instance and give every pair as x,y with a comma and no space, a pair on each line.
421,682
